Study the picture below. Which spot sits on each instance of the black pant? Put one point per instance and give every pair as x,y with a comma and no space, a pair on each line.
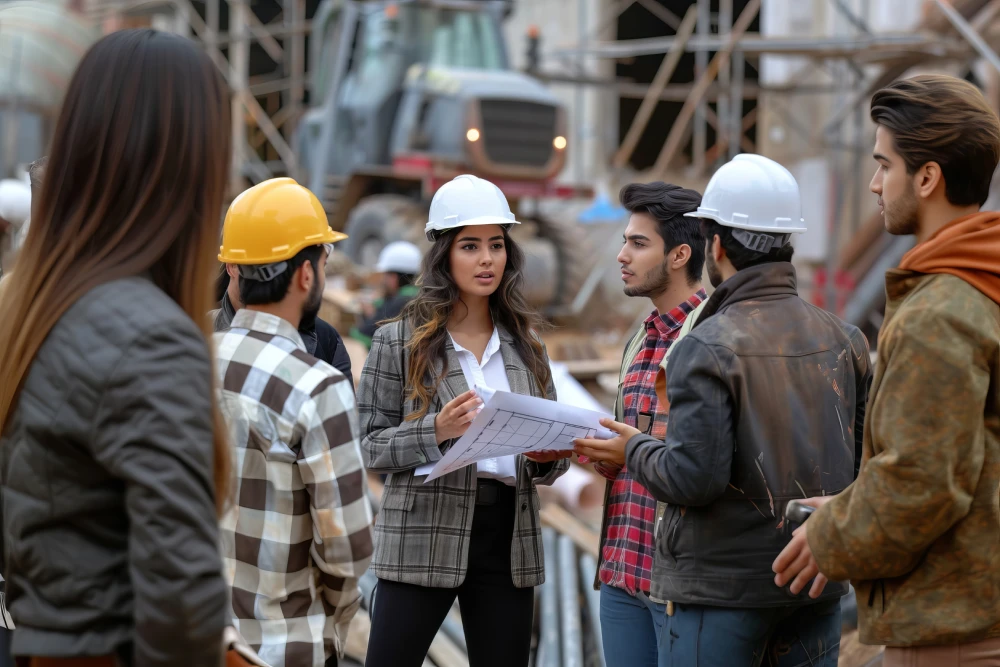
496,616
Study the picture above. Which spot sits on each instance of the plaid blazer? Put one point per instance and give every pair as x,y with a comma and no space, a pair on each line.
422,531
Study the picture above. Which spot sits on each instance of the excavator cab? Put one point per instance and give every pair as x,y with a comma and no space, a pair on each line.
408,95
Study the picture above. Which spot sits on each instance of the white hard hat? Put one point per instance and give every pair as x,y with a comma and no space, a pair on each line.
15,201
467,200
399,257
753,193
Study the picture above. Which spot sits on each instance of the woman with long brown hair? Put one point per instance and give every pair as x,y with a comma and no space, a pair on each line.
113,462
473,534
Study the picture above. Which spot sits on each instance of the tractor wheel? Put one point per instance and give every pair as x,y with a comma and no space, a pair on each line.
379,220
573,257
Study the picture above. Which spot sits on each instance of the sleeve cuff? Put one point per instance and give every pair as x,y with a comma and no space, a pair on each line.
426,439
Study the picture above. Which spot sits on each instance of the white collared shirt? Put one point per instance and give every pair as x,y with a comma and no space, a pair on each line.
493,374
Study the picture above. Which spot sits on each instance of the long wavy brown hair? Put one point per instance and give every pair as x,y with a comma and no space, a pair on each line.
135,184
427,315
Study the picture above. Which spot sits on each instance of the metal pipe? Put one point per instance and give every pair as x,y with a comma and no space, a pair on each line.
569,598
239,72
548,642
872,286
724,133
700,139
736,131
970,34
861,49
588,573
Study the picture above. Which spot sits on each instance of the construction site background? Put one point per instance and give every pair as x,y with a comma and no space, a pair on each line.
640,90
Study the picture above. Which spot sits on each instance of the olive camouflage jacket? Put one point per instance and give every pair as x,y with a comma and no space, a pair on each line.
918,531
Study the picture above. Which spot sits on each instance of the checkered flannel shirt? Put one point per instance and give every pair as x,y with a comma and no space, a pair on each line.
300,533
628,544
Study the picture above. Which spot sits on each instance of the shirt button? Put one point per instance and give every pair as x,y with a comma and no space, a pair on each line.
524,506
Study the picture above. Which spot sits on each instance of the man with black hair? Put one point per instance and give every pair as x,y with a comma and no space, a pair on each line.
766,396
300,535
320,338
662,259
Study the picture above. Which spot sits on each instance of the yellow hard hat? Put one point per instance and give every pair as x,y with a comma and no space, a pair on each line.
272,222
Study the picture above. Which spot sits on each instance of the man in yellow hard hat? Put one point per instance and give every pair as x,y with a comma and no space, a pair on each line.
321,339
300,535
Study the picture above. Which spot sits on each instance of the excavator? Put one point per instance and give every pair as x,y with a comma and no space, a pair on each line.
406,95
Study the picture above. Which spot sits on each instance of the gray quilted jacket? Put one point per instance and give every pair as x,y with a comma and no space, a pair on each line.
109,527
422,531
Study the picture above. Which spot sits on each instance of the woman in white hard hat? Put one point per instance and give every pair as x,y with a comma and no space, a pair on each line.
473,534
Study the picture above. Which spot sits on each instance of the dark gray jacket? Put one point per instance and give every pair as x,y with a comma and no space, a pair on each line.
767,396
109,525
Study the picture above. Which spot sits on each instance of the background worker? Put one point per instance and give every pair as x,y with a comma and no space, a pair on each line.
917,533
767,397
299,537
15,209
475,533
105,370
398,265
662,259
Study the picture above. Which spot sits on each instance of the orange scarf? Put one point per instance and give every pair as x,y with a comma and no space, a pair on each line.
968,248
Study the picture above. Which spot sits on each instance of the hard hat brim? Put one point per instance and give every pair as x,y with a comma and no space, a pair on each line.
281,253
431,229
770,229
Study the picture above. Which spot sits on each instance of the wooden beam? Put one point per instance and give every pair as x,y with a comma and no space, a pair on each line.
673,142
563,522
652,98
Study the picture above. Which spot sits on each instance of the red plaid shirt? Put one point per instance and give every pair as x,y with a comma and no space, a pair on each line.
628,543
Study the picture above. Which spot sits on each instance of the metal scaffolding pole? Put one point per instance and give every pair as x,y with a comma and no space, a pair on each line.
723,135
239,68
967,31
296,69
700,137
736,113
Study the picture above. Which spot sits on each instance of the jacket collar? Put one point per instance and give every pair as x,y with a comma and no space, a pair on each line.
268,324
756,282
453,384
227,311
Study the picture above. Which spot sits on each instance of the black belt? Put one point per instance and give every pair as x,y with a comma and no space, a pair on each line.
491,491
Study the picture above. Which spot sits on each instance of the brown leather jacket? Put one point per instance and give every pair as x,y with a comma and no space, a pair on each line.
918,532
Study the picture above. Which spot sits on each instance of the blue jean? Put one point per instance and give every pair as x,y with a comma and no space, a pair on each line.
698,636
630,628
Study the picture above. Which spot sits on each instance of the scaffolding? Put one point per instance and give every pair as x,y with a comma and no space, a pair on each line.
950,33
267,106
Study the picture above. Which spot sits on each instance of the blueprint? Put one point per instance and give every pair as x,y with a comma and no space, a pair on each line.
509,424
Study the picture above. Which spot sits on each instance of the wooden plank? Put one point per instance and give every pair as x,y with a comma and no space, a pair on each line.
660,81
559,519
673,142
589,369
